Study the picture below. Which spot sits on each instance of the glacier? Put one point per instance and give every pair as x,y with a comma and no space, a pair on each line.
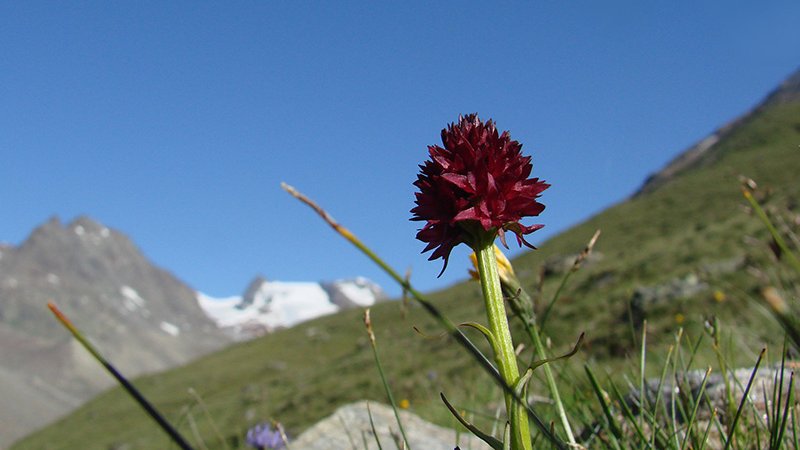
273,305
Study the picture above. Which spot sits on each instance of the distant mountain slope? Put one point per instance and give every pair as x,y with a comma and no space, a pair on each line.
706,150
104,283
680,251
690,226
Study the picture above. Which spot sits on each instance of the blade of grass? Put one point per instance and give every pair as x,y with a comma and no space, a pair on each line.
714,327
795,440
346,430
374,431
213,424
776,235
711,421
654,425
783,313
368,325
627,413
490,440
575,266
176,437
284,438
195,431
776,432
690,423
732,429
788,406
642,364
616,430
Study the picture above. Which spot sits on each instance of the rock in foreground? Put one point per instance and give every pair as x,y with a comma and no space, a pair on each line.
345,427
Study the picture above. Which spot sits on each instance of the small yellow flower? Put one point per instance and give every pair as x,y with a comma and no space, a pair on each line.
404,403
679,318
503,265
719,296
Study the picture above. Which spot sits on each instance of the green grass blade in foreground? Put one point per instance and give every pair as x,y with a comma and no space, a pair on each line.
626,411
616,430
795,440
780,417
642,382
776,235
195,431
575,266
447,324
129,388
202,405
787,407
374,431
712,421
659,393
490,440
746,392
783,313
368,325
695,408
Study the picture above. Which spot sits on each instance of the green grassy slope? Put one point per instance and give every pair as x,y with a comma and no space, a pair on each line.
300,375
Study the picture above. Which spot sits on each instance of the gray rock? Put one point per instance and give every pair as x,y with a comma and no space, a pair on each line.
561,264
759,396
724,266
349,427
646,297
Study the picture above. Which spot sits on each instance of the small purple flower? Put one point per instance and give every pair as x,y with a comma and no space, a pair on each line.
264,437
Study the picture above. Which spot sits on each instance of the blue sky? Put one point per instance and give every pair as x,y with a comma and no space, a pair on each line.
175,122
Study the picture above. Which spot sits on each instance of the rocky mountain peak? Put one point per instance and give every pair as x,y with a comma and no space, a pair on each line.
138,314
252,289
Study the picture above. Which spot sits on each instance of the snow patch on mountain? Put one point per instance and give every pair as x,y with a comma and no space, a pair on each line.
131,299
358,292
271,305
170,328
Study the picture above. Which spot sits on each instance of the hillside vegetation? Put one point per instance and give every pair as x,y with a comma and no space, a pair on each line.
695,224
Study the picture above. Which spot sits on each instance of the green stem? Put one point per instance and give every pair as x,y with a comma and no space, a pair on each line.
551,382
522,305
502,344
386,388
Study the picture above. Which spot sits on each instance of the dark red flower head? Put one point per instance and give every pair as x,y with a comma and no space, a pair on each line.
474,187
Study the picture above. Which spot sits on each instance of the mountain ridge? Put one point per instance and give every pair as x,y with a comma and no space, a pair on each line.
703,151
98,277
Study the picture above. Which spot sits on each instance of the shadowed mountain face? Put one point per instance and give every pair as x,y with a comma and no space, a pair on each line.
141,317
